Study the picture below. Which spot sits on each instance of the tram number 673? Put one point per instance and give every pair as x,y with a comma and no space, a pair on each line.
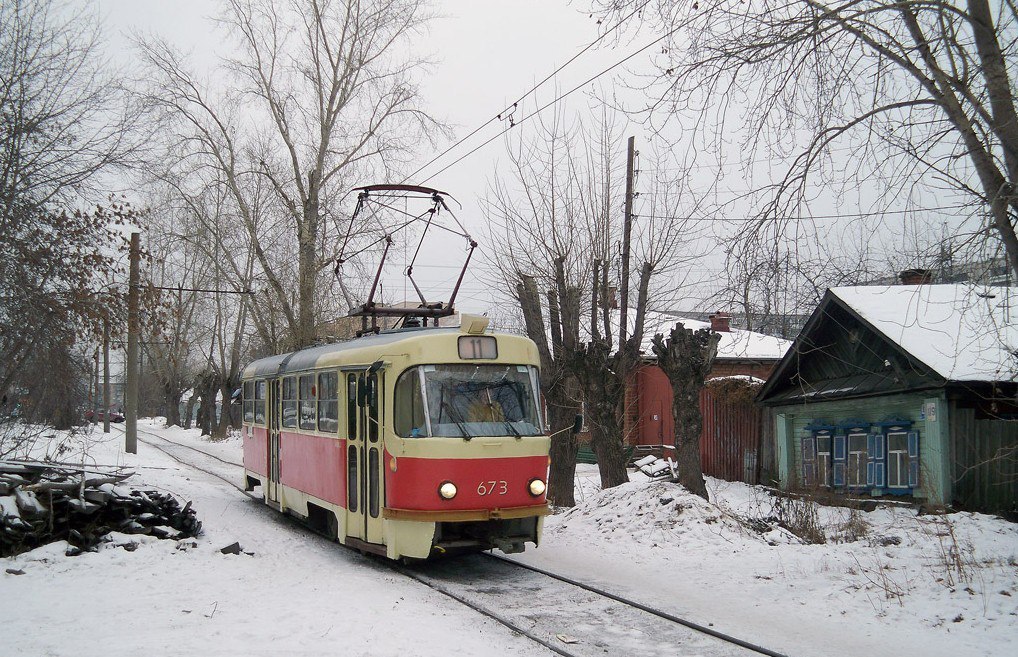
492,488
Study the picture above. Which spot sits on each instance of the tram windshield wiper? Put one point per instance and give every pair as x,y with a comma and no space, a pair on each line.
455,417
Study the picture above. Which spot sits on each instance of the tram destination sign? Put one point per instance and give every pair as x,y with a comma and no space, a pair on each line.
478,347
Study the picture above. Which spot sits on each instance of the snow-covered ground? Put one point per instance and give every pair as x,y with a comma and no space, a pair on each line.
886,582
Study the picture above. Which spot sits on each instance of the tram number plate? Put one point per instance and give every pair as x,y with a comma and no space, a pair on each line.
492,488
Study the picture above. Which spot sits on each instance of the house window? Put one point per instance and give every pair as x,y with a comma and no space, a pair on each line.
289,403
902,459
857,458
824,459
307,402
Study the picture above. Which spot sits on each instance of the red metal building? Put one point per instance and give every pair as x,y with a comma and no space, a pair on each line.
734,430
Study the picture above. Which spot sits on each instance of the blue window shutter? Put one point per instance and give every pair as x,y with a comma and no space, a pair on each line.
871,450
913,459
879,461
809,457
840,460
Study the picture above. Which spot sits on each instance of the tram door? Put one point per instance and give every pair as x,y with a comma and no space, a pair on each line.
364,457
273,408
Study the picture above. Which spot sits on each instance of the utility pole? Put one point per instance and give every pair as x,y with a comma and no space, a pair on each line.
106,374
627,230
131,393
95,386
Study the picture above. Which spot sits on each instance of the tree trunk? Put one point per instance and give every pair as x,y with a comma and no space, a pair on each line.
171,398
189,410
562,410
686,359
603,390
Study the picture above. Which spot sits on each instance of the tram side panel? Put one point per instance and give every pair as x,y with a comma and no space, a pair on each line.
256,452
313,465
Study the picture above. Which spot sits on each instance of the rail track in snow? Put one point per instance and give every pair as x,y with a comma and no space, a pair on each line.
566,616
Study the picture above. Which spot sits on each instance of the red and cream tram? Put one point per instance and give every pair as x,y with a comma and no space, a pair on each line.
408,443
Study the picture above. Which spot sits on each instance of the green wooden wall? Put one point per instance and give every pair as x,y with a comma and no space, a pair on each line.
927,411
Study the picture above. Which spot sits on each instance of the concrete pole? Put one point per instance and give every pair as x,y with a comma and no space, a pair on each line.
627,231
133,329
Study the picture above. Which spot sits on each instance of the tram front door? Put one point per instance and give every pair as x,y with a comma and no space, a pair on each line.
364,457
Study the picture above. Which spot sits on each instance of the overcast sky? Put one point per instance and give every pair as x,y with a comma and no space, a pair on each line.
486,54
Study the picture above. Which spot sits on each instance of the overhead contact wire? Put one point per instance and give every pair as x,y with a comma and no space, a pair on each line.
513,106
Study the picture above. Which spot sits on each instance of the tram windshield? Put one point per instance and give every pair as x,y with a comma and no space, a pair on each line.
464,401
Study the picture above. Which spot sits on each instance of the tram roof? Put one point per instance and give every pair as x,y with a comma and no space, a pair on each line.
307,358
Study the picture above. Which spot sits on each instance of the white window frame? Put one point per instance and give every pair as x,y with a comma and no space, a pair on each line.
901,458
855,477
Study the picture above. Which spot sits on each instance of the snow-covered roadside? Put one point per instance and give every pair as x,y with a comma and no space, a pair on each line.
301,595
927,585
297,594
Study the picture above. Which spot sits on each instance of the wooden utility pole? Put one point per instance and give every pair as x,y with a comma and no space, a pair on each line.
106,374
133,329
627,230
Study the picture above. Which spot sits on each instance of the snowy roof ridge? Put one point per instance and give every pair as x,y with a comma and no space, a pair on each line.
734,344
962,332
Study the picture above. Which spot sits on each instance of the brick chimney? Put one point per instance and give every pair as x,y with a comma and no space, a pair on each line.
916,277
721,322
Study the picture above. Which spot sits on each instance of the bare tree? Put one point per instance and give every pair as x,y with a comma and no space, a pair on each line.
63,123
686,357
557,226
893,95
334,99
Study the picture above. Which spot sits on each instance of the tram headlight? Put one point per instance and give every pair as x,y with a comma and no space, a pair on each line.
447,490
536,487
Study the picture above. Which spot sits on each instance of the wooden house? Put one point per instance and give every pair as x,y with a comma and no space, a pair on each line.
905,390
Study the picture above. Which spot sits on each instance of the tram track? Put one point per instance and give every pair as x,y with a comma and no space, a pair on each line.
492,586
571,618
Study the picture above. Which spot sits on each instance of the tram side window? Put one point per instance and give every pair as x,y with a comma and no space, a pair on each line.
408,409
307,402
259,402
351,405
328,404
289,403
249,401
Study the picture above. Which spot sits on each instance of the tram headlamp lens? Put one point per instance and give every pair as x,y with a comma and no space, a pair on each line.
536,487
447,490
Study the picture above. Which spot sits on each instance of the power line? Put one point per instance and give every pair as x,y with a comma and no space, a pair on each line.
847,215
553,102
512,108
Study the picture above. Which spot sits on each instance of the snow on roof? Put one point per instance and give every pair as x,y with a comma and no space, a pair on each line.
963,332
734,344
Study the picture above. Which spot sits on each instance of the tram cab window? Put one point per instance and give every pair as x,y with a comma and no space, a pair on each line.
307,402
482,400
259,401
408,410
249,401
288,404
328,404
